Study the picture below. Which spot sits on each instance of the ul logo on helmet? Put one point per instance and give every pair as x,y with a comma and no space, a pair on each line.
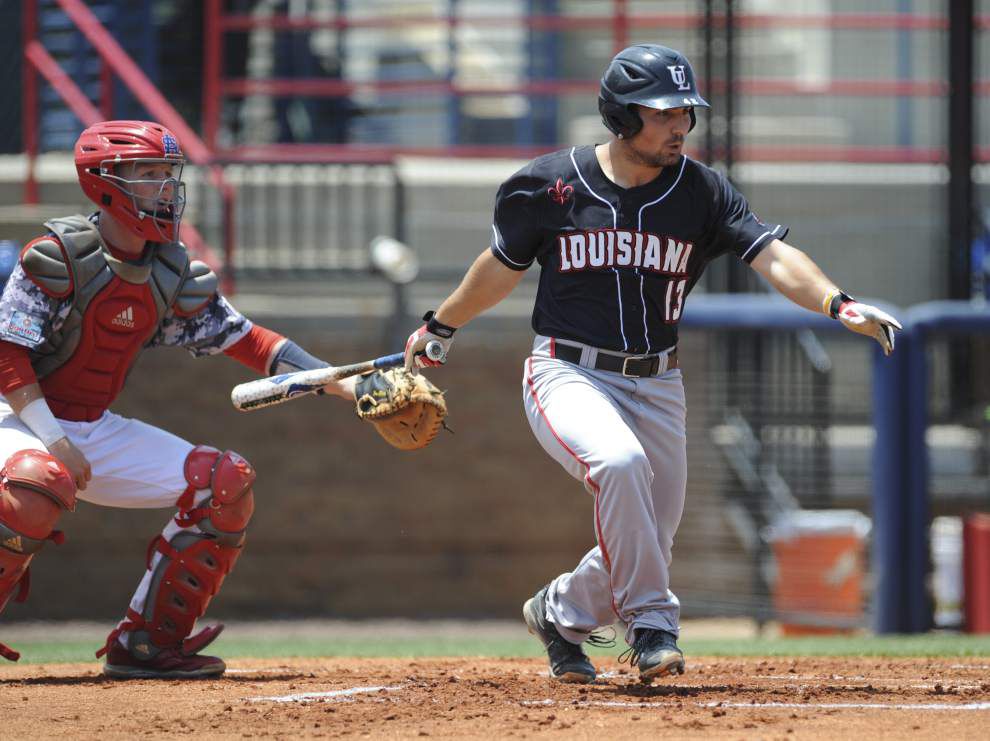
679,76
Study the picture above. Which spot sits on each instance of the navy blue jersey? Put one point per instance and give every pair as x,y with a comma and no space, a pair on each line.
617,263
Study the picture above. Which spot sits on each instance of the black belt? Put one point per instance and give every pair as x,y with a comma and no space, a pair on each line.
634,366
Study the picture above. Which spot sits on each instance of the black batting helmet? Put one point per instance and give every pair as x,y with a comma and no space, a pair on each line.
648,75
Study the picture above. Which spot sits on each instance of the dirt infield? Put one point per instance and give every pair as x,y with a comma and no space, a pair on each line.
812,698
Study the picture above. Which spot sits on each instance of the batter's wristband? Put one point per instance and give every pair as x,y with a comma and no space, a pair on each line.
435,327
836,303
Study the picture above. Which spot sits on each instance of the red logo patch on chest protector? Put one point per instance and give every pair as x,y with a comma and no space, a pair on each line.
560,193
118,322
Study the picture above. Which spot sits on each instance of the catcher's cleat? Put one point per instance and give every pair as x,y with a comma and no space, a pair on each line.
169,663
568,662
656,654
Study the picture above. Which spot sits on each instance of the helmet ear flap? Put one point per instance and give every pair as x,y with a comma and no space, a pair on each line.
694,119
619,119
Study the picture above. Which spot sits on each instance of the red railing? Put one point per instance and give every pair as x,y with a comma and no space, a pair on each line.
117,62
240,86
383,154
618,23
619,18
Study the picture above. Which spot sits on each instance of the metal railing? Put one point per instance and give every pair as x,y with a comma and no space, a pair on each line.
310,219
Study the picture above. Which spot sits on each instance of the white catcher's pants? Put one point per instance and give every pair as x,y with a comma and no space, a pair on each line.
134,465
625,438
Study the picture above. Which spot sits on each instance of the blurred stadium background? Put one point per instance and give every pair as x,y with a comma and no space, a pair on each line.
317,125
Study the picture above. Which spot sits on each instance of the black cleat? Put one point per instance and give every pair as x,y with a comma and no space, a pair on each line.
568,662
656,654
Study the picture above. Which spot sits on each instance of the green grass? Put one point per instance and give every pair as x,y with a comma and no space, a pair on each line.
929,645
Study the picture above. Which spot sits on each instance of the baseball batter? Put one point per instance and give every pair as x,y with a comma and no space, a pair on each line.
86,298
622,231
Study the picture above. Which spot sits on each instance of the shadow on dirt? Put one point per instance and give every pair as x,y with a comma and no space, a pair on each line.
96,679
251,678
647,691
56,681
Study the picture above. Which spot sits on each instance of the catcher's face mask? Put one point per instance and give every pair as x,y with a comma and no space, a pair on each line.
155,189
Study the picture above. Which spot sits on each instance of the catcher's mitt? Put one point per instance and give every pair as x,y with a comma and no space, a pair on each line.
407,410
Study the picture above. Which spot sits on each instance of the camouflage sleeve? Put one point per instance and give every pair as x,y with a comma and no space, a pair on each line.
28,315
218,326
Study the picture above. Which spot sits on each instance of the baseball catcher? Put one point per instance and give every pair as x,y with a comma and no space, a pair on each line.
407,410
85,299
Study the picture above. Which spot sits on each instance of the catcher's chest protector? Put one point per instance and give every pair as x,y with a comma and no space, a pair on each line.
117,308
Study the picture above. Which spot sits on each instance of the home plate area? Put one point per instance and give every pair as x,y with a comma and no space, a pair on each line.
495,698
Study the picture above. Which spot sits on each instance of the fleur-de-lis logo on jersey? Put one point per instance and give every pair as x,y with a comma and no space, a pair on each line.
561,193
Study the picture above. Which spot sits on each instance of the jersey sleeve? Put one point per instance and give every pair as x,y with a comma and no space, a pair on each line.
516,235
738,229
213,329
28,315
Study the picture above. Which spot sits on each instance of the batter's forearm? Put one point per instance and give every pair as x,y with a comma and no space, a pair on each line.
795,275
485,284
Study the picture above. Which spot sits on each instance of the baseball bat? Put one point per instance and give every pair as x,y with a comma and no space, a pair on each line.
266,392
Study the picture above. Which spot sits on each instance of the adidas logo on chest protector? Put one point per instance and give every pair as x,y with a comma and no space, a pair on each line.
125,318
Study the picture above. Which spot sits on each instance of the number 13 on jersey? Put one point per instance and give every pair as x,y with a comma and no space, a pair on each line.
675,300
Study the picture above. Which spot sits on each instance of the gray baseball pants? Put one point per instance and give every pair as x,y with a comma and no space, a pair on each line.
625,438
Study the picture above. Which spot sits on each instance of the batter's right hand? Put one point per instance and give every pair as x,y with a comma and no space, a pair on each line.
74,460
871,321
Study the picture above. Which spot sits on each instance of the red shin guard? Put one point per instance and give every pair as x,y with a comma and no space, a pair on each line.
194,563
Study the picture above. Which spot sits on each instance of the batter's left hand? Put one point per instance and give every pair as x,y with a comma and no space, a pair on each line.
416,349
871,321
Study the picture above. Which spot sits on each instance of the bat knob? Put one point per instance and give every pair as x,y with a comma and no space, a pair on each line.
434,351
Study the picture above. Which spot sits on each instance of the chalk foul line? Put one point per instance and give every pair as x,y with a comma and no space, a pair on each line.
330,695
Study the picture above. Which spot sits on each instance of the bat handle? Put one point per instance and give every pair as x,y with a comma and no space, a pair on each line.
390,361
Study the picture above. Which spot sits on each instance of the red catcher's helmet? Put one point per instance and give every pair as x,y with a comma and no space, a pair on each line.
154,212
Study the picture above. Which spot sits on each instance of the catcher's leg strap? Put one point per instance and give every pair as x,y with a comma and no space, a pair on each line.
213,514
34,489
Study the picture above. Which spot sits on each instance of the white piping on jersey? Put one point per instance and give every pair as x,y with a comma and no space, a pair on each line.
646,329
622,320
615,225
615,218
639,220
639,227
498,238
757,241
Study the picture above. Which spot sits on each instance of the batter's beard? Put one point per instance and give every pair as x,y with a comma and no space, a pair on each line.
653,159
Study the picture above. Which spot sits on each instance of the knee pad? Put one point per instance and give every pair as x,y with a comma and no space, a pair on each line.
35,487
228,476
194,564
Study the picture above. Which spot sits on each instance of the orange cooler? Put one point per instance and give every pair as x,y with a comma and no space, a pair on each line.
820,556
